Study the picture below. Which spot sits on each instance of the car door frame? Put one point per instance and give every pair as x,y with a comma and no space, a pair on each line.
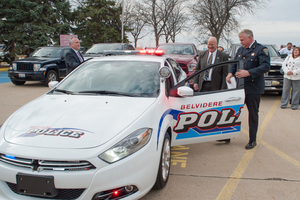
220,118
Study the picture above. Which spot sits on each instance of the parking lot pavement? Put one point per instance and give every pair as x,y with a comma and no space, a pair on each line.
214,170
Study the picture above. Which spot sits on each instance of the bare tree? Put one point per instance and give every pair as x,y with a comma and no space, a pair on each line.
134,20
219,17
156,14
175,23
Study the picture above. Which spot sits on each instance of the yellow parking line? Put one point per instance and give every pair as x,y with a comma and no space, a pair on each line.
281,154
3,69
235,177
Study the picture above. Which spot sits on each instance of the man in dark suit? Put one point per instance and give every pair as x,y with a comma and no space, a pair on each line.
73,56
256,61
213,79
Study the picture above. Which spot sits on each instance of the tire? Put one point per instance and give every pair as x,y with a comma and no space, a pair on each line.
164,164
18,82
51,76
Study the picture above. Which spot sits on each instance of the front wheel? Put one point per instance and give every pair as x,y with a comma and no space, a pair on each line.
51,76
164,164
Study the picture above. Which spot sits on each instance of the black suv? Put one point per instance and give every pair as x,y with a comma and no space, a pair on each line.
273,78
99,49
44,64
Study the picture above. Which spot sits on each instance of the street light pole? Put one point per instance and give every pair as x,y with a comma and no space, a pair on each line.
122,34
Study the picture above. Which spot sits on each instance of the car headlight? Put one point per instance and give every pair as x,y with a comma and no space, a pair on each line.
127,146
14,66
191,67
36,67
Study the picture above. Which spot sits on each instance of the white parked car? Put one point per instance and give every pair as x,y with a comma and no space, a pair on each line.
106,130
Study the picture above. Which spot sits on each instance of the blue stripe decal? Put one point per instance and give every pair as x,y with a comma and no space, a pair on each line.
196,132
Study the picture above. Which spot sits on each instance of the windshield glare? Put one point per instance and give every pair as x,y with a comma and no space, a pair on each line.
177,49
132,77
99,48
47,52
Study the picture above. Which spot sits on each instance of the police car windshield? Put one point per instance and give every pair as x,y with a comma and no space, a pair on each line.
47,52
127,78
99,48
184,49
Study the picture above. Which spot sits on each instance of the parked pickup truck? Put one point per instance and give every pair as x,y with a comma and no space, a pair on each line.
44,64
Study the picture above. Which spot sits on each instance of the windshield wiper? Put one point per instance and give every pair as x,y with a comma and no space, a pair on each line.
108,92
64,91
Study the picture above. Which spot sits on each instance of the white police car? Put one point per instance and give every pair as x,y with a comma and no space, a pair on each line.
106,130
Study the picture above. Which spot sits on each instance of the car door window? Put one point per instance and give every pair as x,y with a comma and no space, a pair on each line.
175,67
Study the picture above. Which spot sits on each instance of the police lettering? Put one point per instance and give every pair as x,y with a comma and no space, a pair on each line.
201,105
53,132
208,120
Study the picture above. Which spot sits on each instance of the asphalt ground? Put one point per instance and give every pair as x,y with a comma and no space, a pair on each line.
213,170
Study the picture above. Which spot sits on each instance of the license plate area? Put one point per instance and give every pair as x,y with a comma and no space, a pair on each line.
41,186
22,76
268,83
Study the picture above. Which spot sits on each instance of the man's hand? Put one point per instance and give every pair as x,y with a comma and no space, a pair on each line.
196,87
289,73
228,77
242,73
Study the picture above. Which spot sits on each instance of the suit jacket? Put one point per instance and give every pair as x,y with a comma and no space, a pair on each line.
72,60
257,61
218,76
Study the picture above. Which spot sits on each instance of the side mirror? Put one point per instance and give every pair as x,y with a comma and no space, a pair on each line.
52,84
185,91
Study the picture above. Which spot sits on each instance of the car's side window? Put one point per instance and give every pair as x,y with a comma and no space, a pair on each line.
129,47
65,53
175,67
169,82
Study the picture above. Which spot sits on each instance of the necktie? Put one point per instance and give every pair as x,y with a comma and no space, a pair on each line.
206,73
79,56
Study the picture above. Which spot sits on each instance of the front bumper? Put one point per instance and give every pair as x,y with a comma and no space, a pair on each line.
138,169
273,84
26,76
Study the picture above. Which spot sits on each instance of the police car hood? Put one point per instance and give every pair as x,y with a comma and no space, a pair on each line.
73,121
182,58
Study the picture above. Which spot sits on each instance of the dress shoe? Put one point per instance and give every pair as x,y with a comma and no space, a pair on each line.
283,107
226,140
250,145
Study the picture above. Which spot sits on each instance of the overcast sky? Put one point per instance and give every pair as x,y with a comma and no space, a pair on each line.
278,23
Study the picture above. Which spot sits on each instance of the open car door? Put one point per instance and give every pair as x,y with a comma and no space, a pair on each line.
206,116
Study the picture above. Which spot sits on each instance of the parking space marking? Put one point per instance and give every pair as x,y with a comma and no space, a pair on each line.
176,155
235,177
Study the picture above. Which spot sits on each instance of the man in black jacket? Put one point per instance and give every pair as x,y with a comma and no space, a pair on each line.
213,79
73,57
256,62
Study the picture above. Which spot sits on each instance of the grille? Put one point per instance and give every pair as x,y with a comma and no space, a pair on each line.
275,70
39,165
184,67
25,67
63,194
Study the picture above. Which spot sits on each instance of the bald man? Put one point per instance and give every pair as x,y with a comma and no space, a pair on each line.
213,79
